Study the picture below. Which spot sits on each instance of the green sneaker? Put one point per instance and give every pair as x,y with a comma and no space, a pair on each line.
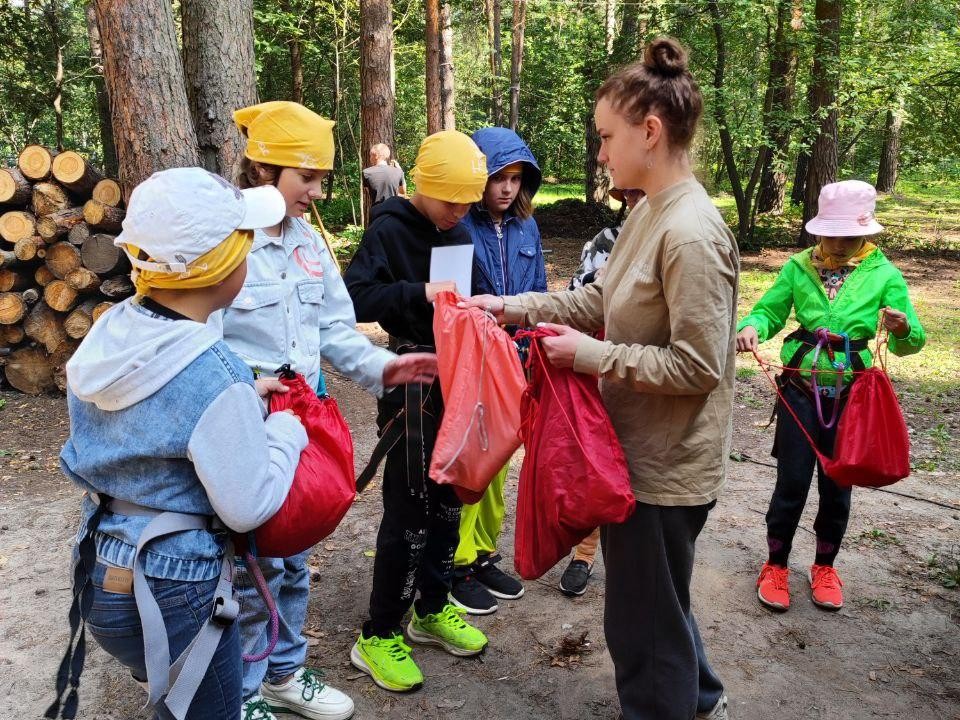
448,630
388,662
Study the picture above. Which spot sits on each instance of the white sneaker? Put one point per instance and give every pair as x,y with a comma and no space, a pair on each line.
306,694
256,708
719,711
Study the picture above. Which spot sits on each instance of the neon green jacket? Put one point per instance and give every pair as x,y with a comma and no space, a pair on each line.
874,284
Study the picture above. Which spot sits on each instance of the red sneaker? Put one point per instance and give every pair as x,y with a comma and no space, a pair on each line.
825,587
773,590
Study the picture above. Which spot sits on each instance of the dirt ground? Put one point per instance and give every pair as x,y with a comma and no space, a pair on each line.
893,651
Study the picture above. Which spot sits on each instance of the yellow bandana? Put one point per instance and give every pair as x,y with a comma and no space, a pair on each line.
822,261
450,167
286,134
208,269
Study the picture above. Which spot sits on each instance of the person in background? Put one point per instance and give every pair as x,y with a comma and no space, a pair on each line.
384,178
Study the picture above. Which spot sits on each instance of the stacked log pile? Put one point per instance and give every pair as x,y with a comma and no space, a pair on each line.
59,269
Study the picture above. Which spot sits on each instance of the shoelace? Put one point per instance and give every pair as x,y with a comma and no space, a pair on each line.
453,616
312,681
395,647
779,577
258,710
827,578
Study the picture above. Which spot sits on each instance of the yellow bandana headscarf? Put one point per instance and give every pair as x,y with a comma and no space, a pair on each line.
286,134
450,167
208,269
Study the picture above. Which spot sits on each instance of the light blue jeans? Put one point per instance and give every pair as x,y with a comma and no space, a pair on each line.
289,583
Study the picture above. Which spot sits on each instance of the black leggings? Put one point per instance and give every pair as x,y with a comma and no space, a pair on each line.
795,463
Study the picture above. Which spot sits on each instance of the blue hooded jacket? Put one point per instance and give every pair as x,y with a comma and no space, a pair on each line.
513,262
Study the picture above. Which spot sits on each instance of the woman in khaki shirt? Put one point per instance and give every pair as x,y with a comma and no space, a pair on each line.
666,367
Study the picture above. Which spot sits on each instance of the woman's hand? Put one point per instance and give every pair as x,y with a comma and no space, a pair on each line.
433,289
409,369
747,340
562,349
493,304
896,322
267,385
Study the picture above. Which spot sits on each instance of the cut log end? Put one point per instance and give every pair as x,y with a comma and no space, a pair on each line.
16,225
102,217
30,371
35,162
108,192
60,296
62,258
15,189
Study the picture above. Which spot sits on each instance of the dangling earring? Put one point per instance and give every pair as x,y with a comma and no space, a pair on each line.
649,164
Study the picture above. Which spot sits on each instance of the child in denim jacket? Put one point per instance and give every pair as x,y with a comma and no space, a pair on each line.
169,439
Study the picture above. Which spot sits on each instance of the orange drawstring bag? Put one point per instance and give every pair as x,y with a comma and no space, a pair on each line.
482,382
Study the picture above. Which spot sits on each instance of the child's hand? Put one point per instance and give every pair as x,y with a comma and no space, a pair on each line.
268,385
435,288
493,304
896,322
410,368
291,412
747,339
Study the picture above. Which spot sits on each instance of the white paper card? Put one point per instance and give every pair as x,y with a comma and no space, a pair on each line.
453,262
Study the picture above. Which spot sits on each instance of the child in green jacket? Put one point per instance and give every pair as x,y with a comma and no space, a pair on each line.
841,284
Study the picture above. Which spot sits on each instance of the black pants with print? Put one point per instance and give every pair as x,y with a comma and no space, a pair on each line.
420,528
795,463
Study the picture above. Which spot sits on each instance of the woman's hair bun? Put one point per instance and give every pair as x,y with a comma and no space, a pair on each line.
666,57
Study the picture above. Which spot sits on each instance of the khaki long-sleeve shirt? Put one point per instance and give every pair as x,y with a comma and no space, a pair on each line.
668,304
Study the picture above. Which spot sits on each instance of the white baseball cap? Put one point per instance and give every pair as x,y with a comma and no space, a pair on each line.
177,215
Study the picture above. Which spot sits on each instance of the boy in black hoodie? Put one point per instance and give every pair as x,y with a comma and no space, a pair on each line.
388,281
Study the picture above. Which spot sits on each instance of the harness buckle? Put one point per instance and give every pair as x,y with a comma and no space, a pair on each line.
225,611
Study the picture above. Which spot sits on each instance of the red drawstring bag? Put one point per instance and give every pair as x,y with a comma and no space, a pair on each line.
482,381
324,485
872,448
574,476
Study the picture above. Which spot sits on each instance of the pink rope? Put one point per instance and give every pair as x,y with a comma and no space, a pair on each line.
253,567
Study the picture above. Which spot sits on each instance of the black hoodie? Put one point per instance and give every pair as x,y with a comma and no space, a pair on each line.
387,275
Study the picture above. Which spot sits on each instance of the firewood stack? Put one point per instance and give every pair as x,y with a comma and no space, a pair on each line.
59,270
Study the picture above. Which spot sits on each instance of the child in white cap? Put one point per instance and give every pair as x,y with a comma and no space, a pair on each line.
841,284
173,446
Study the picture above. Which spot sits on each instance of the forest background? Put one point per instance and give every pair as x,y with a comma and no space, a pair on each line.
796,90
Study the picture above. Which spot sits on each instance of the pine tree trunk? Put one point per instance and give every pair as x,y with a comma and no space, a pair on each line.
494,36
144,76
890,155
377,102
100,89
296,58
447,84
627,43
782,78
516,59
432,40
218,65
822,168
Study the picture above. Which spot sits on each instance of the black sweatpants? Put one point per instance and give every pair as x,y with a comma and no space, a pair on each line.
660,666
795,464
420,528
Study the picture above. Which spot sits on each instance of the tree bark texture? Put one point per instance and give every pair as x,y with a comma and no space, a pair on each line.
890,154
516,59
782,79
218,66
431,32
100,89
296,58
825,81
377,101
152,126
447,83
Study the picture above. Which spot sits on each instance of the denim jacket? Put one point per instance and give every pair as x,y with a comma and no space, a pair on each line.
294,308
165,416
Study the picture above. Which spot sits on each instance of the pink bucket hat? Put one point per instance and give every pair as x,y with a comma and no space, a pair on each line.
846,209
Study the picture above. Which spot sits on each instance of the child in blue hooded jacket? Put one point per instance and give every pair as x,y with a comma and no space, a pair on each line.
508,258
